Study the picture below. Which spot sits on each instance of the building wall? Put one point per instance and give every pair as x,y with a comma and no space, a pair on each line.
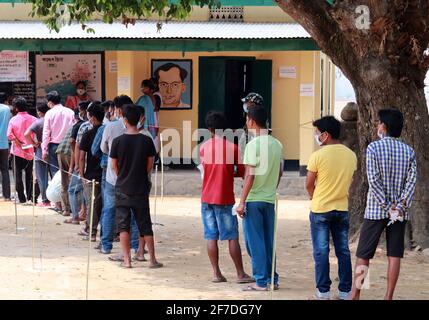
289,110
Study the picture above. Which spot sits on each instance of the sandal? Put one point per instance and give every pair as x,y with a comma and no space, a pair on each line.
136,258
83,233
246,279
71,221
156,265
86,238
124,266
254,288
219,280
116,258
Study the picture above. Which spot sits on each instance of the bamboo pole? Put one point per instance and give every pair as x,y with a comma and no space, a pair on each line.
89,237
162,169
274,246
34,216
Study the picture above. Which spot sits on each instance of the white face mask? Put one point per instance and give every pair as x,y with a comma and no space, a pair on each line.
245,107
381,135
318,141
81,92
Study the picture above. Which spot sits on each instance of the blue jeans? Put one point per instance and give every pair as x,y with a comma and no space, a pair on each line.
258,225
219,223
53,158
336,223
42,178
75,187
108,222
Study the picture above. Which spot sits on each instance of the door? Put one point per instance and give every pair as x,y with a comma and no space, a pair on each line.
224,81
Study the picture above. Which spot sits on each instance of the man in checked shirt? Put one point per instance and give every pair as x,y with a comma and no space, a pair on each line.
392,175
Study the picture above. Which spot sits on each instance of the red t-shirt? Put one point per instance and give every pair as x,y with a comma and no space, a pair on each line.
218,157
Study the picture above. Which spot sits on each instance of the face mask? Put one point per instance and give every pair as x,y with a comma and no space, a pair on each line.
81,118
380,135
81,92
318,141
245,107
140,125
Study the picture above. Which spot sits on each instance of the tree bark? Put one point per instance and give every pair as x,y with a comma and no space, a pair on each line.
386,65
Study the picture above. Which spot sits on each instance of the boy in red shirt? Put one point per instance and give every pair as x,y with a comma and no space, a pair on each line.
218,158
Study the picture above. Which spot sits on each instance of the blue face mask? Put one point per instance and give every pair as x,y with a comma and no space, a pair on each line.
245,107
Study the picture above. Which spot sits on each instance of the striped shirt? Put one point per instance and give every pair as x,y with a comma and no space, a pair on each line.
392,176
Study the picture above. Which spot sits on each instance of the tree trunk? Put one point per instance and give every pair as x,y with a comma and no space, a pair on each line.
374,93
386,64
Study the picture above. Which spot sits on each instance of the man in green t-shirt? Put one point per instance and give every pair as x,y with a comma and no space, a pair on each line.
263,159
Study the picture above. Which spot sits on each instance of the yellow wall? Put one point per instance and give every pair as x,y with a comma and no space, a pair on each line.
289,110
111,82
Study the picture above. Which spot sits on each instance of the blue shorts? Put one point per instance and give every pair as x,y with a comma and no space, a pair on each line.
219,223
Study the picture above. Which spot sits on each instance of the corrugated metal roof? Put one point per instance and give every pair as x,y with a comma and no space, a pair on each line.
148,30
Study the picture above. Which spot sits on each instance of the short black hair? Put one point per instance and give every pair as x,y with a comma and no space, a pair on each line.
53,97
3,97
80,82
42,107
330,125
168,66
121,101
215,120
83,105
148,83
107,104
20,104
133,114
393,119
96,110
259,115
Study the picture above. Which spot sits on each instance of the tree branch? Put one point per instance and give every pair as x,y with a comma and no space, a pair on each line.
316,16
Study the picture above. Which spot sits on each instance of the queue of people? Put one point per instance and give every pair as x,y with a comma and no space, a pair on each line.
106,151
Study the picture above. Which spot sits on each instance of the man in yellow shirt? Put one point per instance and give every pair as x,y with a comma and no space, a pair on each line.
330,172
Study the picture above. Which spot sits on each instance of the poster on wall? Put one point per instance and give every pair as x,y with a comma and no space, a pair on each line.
14,66
62,71
174,79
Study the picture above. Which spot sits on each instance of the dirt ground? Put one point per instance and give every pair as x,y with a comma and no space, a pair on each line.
58,269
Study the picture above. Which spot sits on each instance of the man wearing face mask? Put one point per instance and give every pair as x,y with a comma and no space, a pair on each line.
81,95
330,172
392,177
251,100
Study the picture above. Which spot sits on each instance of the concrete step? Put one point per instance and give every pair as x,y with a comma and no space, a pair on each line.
188,183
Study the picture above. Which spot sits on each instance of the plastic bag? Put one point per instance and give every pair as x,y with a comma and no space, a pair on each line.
53,192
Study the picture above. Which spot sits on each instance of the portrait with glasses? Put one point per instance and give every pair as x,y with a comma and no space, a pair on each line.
174,82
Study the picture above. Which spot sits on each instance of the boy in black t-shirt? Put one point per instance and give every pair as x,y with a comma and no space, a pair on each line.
90,169
132,159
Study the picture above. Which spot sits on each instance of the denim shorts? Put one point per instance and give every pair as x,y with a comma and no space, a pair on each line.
219,223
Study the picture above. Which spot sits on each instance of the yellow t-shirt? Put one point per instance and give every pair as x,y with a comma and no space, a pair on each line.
334,166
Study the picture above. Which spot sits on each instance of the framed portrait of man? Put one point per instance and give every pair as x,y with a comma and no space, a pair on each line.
174,82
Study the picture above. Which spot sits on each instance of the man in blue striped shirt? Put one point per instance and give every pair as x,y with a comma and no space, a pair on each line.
392,176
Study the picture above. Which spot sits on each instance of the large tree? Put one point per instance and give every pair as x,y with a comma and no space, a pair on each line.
380,45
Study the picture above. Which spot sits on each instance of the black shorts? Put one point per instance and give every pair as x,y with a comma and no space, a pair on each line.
371,233
139,206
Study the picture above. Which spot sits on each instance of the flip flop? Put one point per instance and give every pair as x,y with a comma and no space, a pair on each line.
116,258
86,238
157,265
219,280
83,233
252,288
136,258
123,266
247,279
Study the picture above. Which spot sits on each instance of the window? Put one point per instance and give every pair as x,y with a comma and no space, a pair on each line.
226,13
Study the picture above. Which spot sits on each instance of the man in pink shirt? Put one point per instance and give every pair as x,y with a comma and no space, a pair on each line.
58,121
22,150
219,158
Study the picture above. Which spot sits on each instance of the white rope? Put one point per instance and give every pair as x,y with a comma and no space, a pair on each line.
89,237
